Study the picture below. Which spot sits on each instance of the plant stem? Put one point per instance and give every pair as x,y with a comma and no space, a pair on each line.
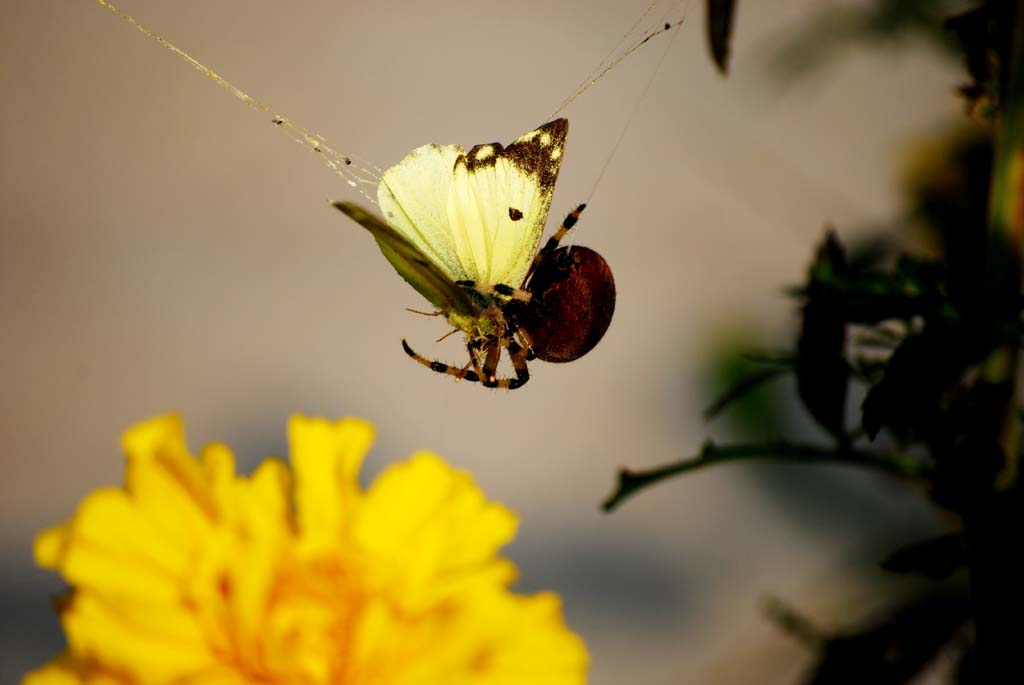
994,505
631,482
1006,230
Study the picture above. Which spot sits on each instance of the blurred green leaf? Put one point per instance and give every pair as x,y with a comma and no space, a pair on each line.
984,34
935,558
720,15
822,373
893,649
914,397
837,27
741,389
949,187
908,399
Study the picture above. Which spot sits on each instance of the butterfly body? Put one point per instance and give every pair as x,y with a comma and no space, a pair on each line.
463,228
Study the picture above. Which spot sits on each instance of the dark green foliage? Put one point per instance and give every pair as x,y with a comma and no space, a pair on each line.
889,649
932,341
984,33
720,17
936,558
821,369
742,377
909,399
892,649
839,26
951,203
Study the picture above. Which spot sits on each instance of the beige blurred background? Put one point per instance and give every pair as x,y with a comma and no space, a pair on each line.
162,248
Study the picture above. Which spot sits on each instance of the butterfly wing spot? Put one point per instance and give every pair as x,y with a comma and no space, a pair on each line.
495,244
482,157
530,154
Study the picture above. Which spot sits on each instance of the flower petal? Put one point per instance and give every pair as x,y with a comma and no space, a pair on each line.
197,576
426,524
155,641
166,481
48,547
327,456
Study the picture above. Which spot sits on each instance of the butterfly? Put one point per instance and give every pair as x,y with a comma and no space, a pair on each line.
463,229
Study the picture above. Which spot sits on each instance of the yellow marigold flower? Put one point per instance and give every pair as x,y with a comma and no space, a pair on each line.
192,575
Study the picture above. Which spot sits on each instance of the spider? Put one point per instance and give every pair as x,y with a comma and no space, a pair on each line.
560,313
462,228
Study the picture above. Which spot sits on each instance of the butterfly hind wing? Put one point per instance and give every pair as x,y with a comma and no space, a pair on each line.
412,264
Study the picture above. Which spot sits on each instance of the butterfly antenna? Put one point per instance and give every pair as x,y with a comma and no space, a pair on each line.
355,172
604,66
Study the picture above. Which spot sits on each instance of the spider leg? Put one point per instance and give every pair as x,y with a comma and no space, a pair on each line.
518,356
472,347
552,243
524,339
441,367
493,349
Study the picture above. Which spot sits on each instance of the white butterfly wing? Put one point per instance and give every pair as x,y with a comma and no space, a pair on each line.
498,203
413,195
479,215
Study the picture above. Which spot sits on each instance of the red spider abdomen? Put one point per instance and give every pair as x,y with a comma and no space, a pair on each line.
572,305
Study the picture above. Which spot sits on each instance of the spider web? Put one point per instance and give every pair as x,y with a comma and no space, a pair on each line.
355,171
645,28
364,176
